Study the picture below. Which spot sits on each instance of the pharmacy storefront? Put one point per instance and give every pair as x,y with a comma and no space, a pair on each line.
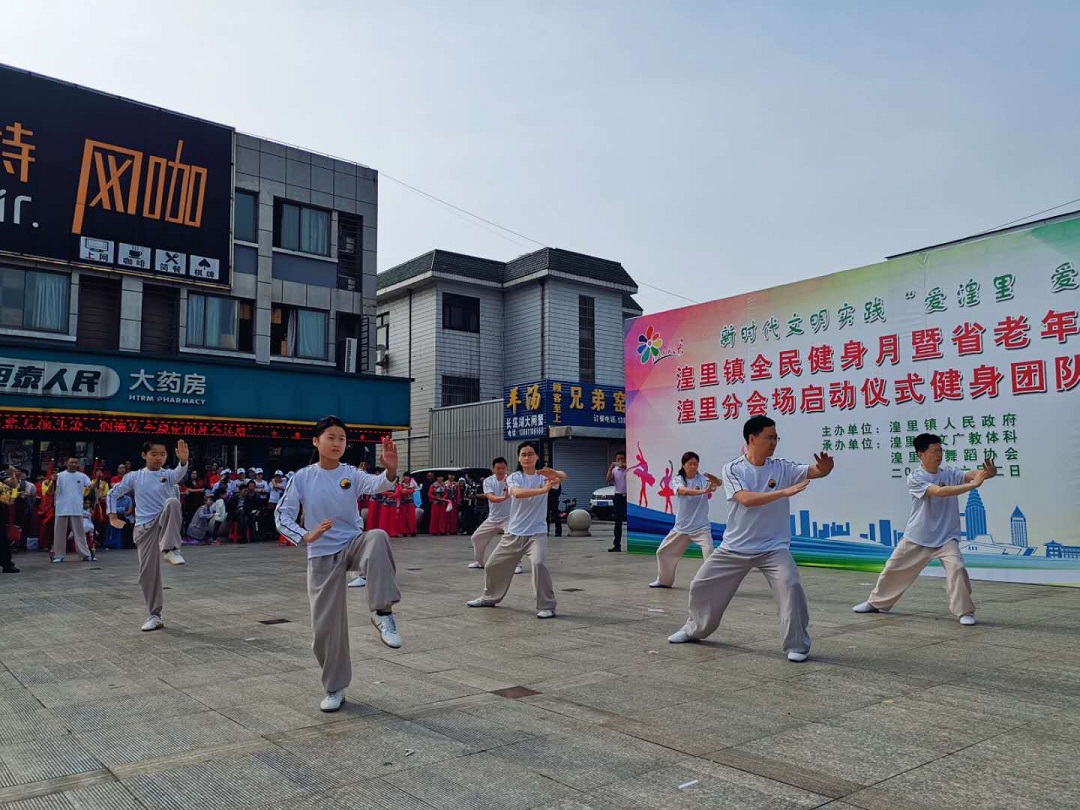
100,408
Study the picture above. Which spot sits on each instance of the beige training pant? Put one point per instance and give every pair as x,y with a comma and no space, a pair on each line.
152,540
908,560
369,553
499,571
484,534
718,578
62,524
672,550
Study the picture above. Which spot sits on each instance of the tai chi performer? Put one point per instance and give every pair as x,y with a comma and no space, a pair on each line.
692,525
70,489
758,535
932,532
157,520
497,493
333,532
526,533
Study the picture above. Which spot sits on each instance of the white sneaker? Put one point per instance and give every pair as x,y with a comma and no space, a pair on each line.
479,603
57,559
680,637
387,627
866,607
546,614
475,564
153,623
333,700
658,584
174,558
797,657
359,582
519,570
967,620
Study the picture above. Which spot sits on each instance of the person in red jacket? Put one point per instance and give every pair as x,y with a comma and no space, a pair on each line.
440,504
407,509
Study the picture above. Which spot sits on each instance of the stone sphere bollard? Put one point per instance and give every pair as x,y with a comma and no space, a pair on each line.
579,522
419,514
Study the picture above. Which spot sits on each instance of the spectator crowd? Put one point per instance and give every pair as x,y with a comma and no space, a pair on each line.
235,506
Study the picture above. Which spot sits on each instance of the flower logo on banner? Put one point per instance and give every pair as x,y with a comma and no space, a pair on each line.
649,346
651,349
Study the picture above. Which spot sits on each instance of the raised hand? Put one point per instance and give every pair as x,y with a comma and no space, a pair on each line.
825,462
980,476
389,452
548,473
182,451
989,467
795,489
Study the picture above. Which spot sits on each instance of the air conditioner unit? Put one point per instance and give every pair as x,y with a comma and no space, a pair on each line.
382,356
351,350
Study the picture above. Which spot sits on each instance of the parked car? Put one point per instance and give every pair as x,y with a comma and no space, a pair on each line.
602,503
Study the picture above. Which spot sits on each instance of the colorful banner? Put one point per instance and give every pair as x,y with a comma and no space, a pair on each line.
978,342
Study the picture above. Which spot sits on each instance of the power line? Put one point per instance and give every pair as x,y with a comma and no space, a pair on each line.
1029,216
509,230
458,208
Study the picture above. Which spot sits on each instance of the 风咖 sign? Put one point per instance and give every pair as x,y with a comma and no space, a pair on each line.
90,178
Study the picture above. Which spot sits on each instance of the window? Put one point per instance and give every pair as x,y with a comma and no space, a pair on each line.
299,227
33,300
246,216
298,332
382,330
220,323
586,339
460,390
461,312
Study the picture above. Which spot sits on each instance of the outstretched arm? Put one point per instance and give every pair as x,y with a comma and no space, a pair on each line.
754,499
934,491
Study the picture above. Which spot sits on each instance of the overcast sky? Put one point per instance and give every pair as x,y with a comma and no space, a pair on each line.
711,147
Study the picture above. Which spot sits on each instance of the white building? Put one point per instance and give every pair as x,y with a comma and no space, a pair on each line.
467,329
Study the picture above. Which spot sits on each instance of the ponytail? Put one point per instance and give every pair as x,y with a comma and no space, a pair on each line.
690,454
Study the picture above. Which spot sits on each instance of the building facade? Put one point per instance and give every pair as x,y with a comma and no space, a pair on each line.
163,275
475,334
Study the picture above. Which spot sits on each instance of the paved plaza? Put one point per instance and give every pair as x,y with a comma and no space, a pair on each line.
487,708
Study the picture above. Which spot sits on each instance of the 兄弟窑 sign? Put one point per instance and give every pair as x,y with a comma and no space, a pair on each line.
93,179
531,409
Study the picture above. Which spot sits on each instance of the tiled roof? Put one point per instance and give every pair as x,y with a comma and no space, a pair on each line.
473,267
630,305
443,261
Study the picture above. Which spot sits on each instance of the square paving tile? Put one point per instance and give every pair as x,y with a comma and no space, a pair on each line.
907,711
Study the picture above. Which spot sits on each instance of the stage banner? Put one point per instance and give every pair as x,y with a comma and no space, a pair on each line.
978,342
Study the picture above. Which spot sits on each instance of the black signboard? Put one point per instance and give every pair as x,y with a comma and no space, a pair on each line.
98,180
